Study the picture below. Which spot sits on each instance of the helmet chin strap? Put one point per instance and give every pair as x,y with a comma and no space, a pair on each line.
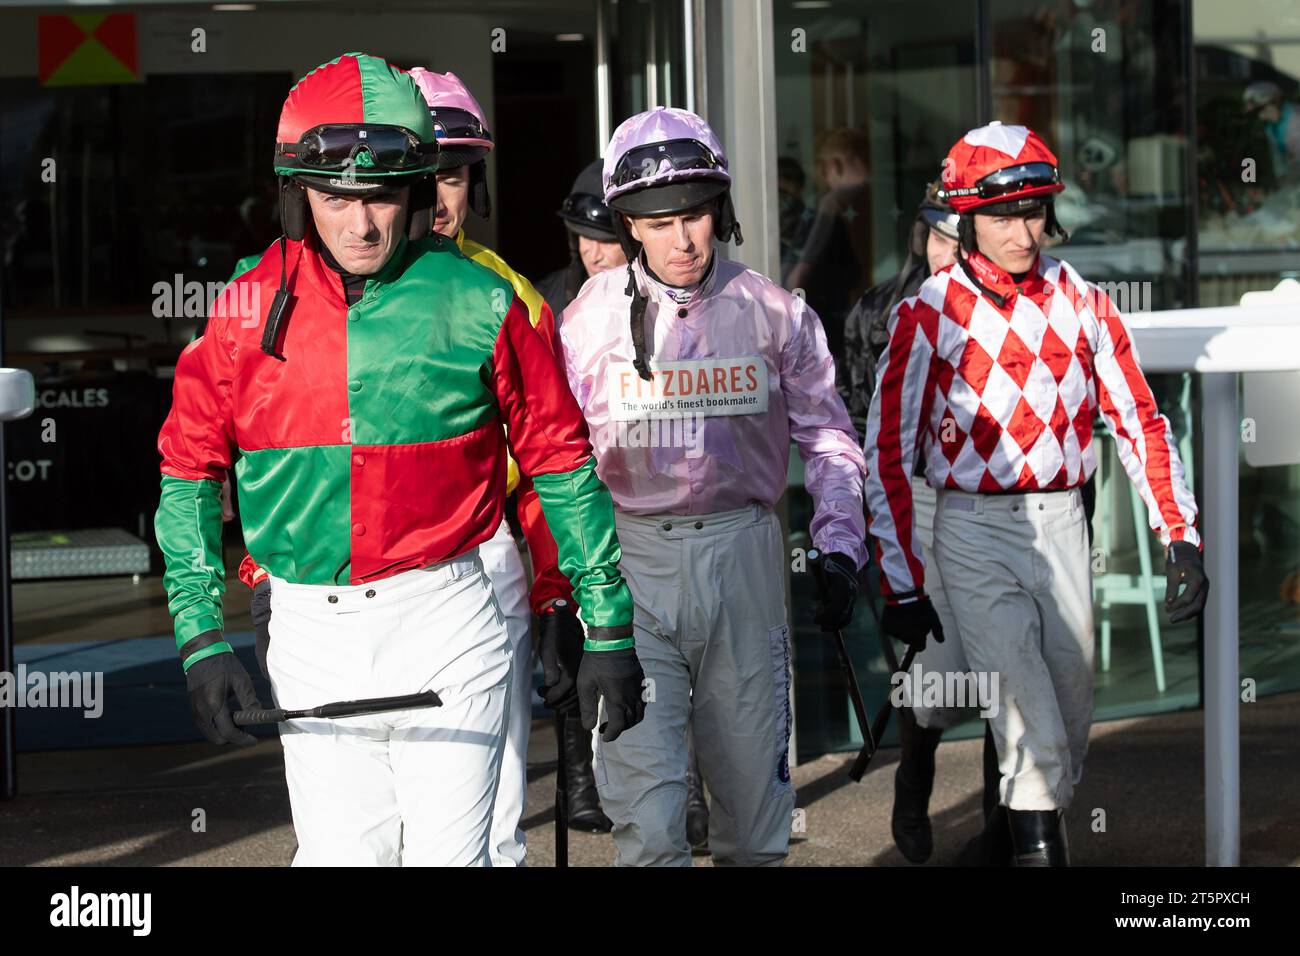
966,244
639,361
632,249
479,200
1053,226
273,330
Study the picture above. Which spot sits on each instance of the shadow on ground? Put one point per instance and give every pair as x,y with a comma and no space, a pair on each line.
1141,803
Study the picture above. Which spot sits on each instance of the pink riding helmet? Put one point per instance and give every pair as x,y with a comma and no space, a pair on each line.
461,131
457,118
642,152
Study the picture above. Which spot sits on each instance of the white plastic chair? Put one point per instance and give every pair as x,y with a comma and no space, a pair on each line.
1115,587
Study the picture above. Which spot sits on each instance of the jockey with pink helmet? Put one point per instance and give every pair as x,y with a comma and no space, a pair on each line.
692,410
461,131
464,141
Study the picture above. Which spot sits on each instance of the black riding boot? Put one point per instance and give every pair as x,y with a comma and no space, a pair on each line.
992,773
992,847
1039,838
697,808
584,805
913,782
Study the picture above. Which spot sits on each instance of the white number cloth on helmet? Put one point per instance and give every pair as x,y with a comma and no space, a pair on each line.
406,788
1005,138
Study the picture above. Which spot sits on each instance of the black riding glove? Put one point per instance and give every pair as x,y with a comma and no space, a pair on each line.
912,622
1183,566
840,590
616,676
559,644
259,609
211,681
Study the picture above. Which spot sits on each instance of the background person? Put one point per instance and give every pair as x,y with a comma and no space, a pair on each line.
932,247
593,247
464,144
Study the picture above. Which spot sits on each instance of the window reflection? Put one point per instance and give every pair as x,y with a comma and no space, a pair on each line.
867,106
1248,135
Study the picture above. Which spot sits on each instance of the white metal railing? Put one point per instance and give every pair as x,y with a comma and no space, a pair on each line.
1219,344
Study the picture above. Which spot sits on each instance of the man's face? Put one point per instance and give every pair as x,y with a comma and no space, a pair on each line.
1010,242
361,232
677,247
453,201
598,255
940,251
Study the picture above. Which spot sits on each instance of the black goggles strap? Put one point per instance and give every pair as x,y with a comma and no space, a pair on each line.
352,142
641,162
1013,179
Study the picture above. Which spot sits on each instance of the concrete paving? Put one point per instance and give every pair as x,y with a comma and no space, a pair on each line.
1141,803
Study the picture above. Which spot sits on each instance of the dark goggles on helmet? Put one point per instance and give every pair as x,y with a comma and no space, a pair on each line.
1013,179
358,145
642,162
583,207
457,124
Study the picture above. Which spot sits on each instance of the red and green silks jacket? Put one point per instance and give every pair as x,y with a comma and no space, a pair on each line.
548,583
377,445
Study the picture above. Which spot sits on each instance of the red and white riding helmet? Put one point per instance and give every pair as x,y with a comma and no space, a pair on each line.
998,165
